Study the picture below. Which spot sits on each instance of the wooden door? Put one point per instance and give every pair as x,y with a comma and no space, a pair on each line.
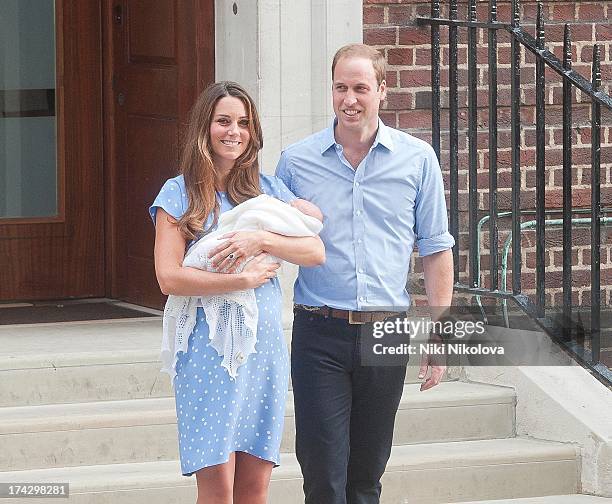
58,253
162,56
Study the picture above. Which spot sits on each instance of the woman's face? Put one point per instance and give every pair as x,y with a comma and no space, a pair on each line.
229,131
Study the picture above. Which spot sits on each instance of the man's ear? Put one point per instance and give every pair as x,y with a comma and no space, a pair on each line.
383,90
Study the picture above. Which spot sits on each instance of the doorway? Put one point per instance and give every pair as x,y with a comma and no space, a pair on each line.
158,60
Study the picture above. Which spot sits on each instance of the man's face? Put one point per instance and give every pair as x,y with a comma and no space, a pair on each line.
356,94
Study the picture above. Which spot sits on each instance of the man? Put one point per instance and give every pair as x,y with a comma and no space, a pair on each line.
379,190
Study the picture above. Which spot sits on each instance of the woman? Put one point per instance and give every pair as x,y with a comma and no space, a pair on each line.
229,430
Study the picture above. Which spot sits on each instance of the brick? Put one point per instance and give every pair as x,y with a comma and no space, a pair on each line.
423,100
445,55
558,256
530,13
373,15
401,15
586,54
379,36
388,118
391,79
606,72
579,32
585,135
504,179
530,259
399,101
564,12
603,32
581,114
580,198
422,57
415,78
591,11
580,156
504,98
400,56
412,35
415,119
462,75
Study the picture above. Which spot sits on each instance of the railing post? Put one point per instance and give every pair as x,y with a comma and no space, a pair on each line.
595,211
493,253
516,153
540,167
454,136
567,183
473,146
435,79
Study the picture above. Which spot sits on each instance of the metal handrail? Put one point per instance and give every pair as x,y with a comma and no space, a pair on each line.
571,79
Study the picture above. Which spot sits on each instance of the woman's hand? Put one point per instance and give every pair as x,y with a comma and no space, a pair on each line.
258,271
237,248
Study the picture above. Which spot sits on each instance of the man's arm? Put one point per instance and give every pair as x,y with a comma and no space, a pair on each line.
438,273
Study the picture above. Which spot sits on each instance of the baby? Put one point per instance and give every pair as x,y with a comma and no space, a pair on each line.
232,317
308,208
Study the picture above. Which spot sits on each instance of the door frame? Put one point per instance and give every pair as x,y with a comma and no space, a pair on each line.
204,36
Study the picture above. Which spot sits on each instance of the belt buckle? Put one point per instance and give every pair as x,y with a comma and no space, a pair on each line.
308,308
352,321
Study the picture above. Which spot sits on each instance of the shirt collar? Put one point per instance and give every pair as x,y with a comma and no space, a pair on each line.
383,137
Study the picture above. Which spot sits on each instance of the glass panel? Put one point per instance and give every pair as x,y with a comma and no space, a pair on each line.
28,168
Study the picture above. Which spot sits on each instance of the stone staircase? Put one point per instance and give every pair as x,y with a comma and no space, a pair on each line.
84,403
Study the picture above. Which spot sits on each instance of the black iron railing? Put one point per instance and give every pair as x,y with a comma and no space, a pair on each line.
588,357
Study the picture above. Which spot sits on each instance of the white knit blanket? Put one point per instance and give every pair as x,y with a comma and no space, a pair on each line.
232,317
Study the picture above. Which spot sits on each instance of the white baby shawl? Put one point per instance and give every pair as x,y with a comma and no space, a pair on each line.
232,317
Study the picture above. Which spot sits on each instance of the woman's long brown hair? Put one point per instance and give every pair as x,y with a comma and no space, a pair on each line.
197,164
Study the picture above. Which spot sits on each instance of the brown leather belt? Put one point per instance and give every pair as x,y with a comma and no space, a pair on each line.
353,317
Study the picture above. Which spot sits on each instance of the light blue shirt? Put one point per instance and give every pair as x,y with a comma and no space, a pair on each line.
373,216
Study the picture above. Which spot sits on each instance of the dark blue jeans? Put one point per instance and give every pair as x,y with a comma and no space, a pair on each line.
344,412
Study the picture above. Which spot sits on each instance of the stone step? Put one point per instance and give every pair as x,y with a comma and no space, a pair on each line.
549,499
144,430
423,473
81,361
86,361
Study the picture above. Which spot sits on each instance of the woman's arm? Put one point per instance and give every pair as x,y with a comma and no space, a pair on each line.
173,278
303,251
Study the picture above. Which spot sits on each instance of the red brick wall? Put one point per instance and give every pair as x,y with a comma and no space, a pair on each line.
389,25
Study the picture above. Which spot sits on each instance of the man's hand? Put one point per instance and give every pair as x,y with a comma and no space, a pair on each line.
438,274
436,363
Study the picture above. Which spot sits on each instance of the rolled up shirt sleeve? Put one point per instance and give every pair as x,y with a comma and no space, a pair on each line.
431,219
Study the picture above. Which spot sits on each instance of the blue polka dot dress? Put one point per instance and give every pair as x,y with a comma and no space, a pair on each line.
215,414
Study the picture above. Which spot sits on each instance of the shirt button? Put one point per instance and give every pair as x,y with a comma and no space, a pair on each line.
359,240
358,213
357,184
360,270
361,298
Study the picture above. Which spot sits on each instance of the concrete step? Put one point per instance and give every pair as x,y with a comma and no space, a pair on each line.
144,430
423,473
549,499
86,361
81,361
